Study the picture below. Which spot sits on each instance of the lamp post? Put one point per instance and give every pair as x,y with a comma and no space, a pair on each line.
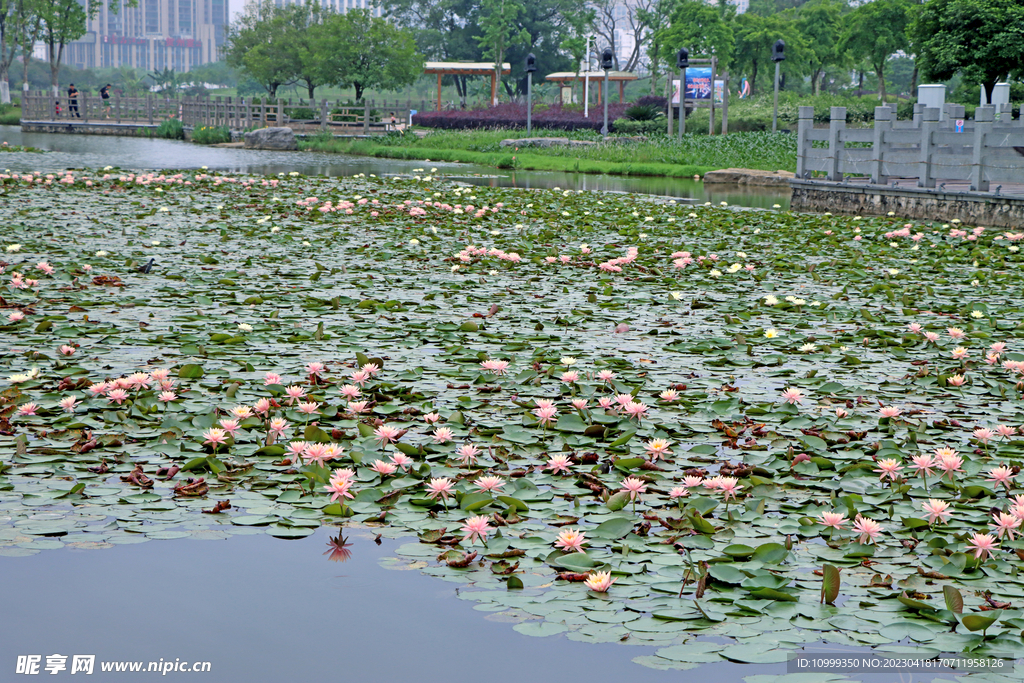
682,61
606,64
778,54
586,84
531,66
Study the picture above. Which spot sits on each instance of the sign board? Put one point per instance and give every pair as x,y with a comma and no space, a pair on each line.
959,125
719,91
698,85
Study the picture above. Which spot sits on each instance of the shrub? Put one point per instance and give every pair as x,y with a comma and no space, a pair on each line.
211,135
302,114
661,103
642,112
510,115
632,127
172,129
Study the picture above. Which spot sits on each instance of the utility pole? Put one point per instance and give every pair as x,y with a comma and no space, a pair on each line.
778,54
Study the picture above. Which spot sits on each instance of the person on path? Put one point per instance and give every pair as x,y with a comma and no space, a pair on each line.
73,101
105,94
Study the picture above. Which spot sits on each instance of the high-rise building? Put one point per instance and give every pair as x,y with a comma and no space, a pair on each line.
337,5
155,34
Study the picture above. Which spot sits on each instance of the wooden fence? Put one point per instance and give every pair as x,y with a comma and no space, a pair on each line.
236,113
981,150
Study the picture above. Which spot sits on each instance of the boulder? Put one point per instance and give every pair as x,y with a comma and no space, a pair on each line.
271,138
748,176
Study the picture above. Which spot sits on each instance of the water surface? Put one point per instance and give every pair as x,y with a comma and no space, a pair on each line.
97,151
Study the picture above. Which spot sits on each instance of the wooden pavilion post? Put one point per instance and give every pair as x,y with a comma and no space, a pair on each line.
494,88
622,91
439,92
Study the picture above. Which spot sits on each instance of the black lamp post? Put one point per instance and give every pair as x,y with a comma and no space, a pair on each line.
531,66
778,54
682,61
606,64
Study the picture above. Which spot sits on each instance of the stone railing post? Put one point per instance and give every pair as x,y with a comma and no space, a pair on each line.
929,123
804,124
323,115
366,116
918,108
883,124
837,122
983,121
280,112
149,107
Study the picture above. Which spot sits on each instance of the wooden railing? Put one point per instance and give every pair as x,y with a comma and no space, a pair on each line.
981,150
236,113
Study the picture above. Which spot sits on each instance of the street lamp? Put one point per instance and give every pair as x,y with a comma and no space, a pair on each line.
682,61
778,54
606,64
531,66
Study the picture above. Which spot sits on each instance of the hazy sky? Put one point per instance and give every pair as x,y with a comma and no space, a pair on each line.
236,6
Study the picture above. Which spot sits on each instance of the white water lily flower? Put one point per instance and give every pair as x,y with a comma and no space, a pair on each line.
13,248
245,327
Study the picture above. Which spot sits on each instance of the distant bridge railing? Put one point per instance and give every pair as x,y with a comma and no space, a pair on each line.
981,150
237,113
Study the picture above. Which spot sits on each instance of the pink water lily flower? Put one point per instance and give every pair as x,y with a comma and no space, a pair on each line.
476,527
937,510
294,392
442,435
889,411
214,437
658,448
889,467
792,395
558,463
68,404
26,409
1005,524
634,486
440,487
982,545
834,520
384,469
339,487
923,464
490,484
386,434
271,378
868,529
495,367
1001,475
570,540
67,350
599,582
117,396
229,425
467,453
401,460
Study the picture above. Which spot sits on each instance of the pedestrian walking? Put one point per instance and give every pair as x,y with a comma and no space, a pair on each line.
105,94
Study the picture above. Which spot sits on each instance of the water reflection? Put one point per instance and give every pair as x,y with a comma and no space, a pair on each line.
338,549
97,151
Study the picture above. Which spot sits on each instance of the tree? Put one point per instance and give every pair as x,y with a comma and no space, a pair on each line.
821,23
19,24
445,30
981,39
755,36
64,21
875,31
630,17
699,27
361,51
256,49
499,29
576,46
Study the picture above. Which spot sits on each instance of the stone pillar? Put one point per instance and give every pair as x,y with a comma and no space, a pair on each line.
805,123
983,118
837,123
929,123
883,124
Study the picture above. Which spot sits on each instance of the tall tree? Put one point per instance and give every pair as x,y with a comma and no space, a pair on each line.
627,18
358,50
258,45
16,17
700,28
821,23
755,36
499,25
875,31
981,39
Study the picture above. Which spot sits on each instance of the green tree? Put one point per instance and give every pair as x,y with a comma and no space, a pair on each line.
699,27
256,47
500,28
361,51
755,36
821,23
983,40
875,31
19,24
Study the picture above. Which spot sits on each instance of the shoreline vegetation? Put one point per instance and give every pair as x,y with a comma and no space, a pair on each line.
658,156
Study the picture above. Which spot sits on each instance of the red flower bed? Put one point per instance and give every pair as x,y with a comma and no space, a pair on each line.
514,116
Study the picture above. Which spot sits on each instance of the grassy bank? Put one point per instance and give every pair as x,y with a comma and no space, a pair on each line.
695,154
10,115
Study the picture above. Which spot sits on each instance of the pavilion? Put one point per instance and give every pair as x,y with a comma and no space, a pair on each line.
465,69
566,78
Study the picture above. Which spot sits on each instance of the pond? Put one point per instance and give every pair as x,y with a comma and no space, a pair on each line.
96,151
608,428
